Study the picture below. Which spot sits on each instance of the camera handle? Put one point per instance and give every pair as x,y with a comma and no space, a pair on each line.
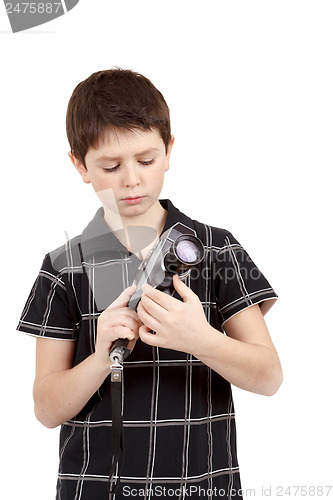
119,352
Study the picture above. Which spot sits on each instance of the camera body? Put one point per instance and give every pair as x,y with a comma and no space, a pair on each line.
176,252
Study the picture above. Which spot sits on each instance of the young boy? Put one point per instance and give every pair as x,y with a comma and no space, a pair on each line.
179,426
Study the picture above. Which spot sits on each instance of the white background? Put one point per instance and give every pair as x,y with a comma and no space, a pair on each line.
250,87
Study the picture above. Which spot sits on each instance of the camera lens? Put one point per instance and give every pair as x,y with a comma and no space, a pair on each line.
187,251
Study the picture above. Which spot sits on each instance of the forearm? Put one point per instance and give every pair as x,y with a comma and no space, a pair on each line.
61,395
252,367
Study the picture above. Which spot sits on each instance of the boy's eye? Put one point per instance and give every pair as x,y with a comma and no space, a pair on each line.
142,162
147,162
113,169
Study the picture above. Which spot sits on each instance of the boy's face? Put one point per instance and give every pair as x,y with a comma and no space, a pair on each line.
127,170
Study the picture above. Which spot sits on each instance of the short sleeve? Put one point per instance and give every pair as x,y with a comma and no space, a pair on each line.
48,311
239,283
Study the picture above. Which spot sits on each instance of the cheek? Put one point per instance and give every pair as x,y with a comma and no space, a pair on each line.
107,197
156,178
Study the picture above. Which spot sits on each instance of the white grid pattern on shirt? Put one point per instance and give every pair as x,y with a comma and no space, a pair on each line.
66,277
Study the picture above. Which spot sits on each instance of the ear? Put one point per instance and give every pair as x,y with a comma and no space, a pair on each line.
168,153
80,168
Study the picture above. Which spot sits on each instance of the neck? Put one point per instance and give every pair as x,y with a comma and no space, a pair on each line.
154,218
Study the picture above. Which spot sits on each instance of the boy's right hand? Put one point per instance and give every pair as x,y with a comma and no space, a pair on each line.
117,322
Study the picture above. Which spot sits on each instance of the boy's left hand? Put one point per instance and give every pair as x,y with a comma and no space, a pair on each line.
178,325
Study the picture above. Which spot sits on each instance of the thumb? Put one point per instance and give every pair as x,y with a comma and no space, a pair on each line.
123,298
184,291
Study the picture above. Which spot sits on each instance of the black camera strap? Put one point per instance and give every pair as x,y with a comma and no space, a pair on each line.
117,428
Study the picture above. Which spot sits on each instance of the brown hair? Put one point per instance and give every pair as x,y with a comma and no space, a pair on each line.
110,100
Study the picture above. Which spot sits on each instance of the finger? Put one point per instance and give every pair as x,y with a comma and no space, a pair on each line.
131,344
184,291
148,320
118,317
123,298
153,308
129,323
159,297
147,337
122,332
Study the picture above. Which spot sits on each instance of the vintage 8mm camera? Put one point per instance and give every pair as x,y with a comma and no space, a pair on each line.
176,252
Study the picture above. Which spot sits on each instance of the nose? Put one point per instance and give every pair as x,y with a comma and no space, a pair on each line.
131,177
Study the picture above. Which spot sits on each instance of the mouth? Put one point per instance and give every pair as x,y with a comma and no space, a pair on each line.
133,199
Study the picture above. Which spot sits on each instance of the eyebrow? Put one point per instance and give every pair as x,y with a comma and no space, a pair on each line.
117,158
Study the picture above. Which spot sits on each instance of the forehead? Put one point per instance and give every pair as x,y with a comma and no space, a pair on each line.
124,142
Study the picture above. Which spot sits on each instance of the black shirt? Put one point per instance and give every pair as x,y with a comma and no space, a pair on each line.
179,421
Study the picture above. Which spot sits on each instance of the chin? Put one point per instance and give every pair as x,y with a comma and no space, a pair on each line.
138,209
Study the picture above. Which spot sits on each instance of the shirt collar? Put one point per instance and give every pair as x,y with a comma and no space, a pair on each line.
100,243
